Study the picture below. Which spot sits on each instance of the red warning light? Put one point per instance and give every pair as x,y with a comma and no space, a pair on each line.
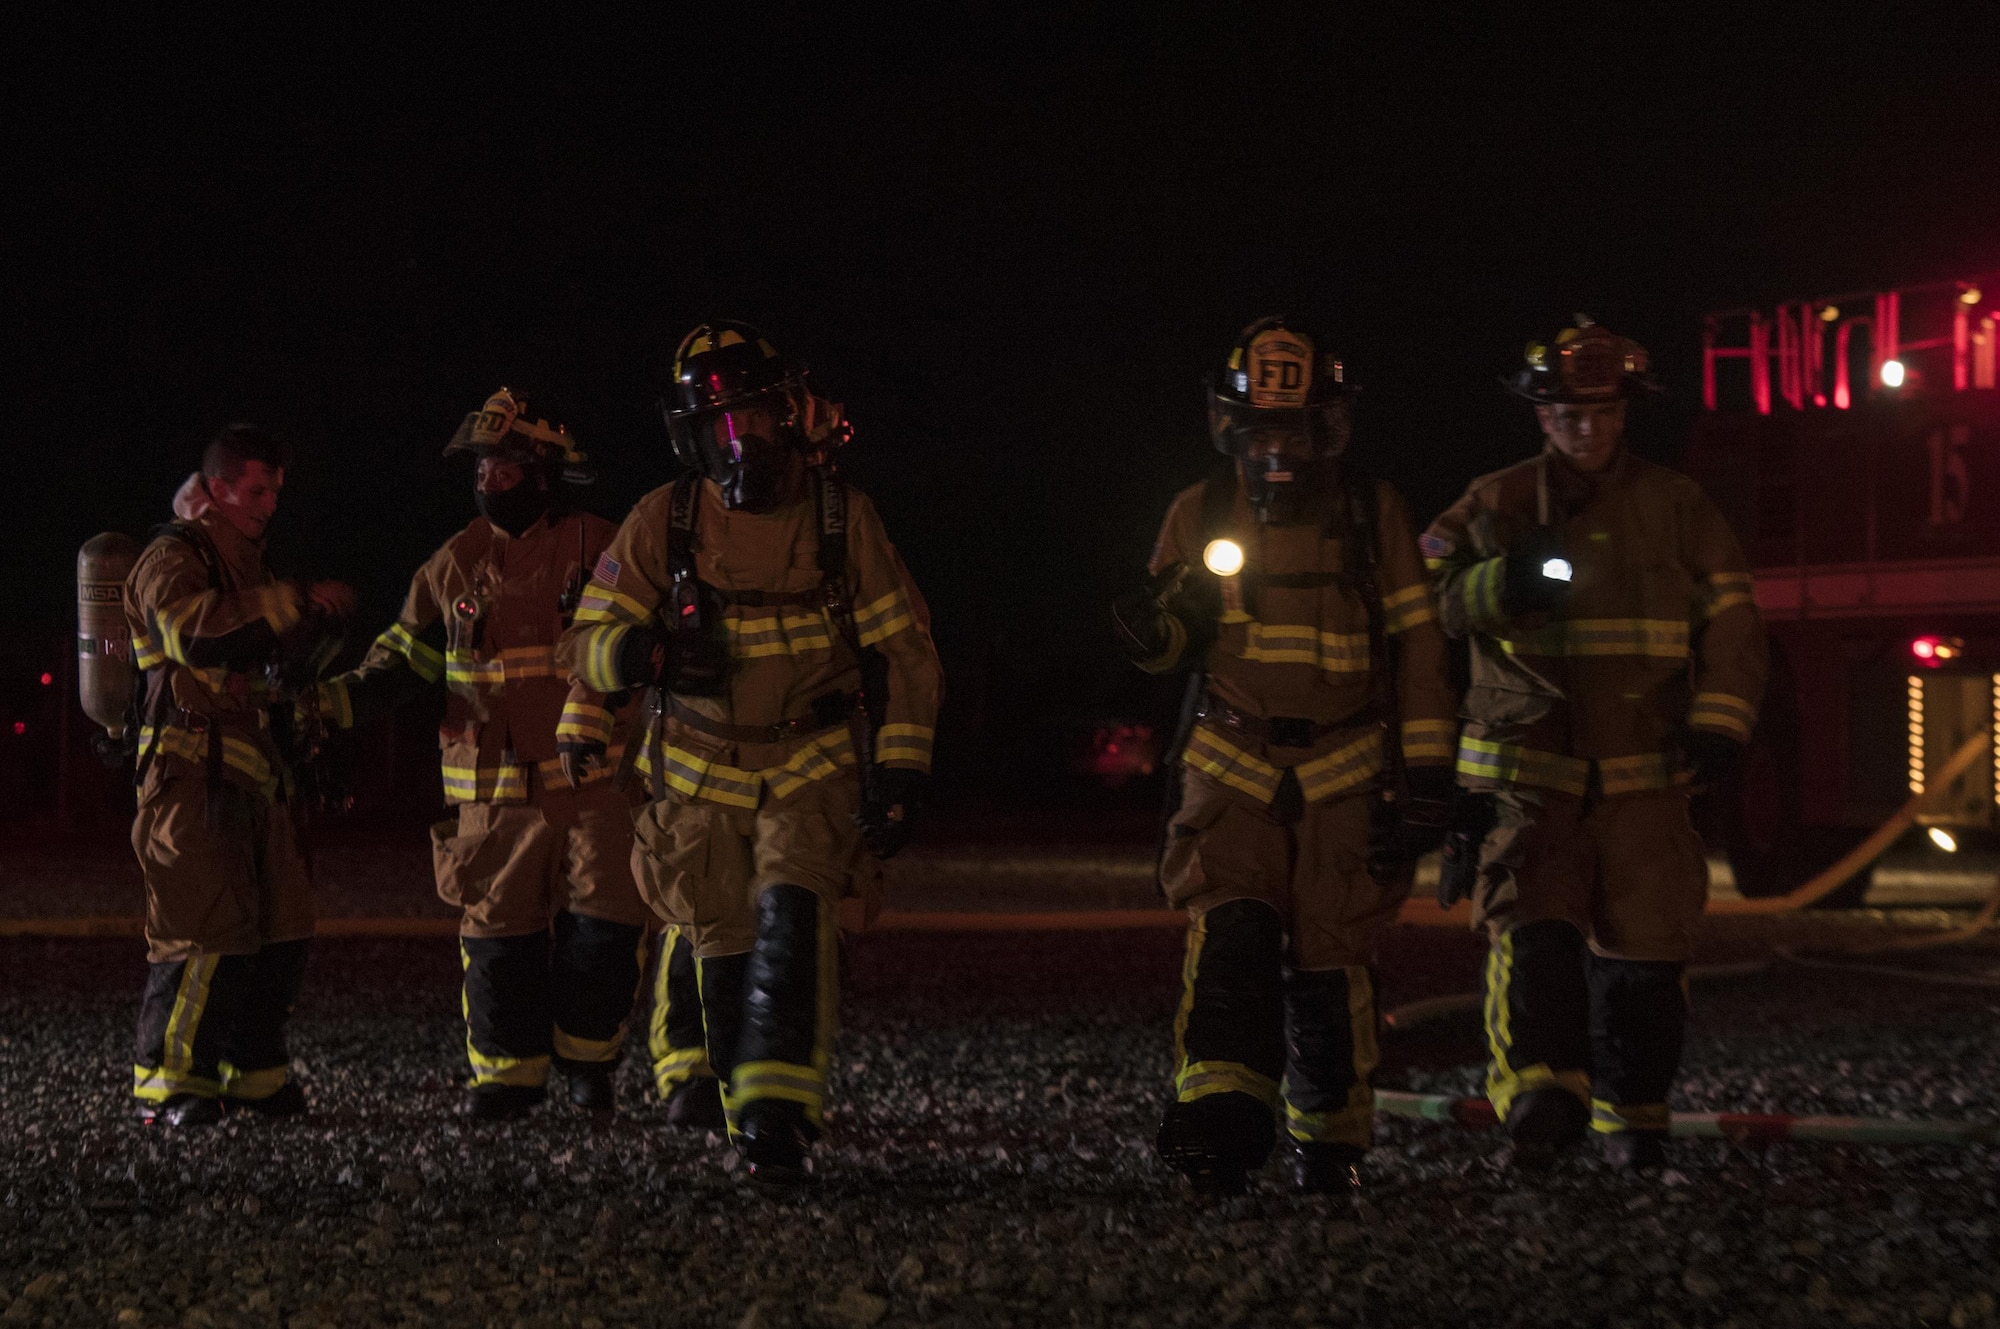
47,678
20,726
1924,648
1934,651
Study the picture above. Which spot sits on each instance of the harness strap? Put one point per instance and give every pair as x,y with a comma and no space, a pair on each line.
829,710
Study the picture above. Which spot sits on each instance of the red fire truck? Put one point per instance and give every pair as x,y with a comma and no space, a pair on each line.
1854,443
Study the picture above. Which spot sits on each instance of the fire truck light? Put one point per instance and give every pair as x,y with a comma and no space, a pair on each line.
1971,295
47,678
1829,314
1223,557
1924,648
1556,569
1944,839
1935,650
1892,373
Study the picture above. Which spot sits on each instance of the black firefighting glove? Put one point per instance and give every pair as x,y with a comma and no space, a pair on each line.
891,803
578,756
1525,586
1140,618
1712,757
1473,816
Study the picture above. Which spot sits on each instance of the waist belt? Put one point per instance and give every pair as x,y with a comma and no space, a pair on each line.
771,599
1280,731
828,710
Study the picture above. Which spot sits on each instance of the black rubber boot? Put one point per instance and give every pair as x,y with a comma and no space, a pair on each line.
508,1028
781,1048
1217,1141
254,1043
1638,1023
1635,1151
1327,1169
501,1102
1544,1122
722,980
590,1086
182,1110
696,1105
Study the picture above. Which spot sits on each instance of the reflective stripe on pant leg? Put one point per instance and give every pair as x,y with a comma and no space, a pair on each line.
1330,1053
721,982
595,968
675,1037
505,1003
171,1039
1537,1013
791,999
1229,1035
255,1061
1638,1023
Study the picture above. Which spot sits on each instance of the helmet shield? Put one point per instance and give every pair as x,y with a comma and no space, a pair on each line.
747,447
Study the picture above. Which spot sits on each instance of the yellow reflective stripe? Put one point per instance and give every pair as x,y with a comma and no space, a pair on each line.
146,651
1651,638
1407,608
1608,1118
600,604
1202,1078
905,744
1347,767
336,703
1479,592
777,634
190,1002
485,784
550,772
676,1068
426,661
1291,643
152,1085
1434,565
1721,712
574,1047
884,618
1724,591
585,720
1504,1081
1219,759
1197,937
251,1085
239,754
600,656
1429,740
495,1068
824,757
172,619
700,777
1643,770
1514,764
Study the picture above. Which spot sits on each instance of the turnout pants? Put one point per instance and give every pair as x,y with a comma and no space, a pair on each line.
537,988
1277,1002
675,1038
228,917
754,895
1590,906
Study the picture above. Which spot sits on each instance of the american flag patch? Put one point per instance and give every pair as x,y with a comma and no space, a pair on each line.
1434,546
606,570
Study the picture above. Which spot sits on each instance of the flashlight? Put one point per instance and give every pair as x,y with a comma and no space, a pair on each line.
1556,569
1223,557
1943,839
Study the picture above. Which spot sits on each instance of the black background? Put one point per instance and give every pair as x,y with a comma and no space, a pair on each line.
1012,241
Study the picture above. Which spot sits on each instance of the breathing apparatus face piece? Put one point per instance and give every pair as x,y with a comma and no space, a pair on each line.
1287,464
1280,408
748,448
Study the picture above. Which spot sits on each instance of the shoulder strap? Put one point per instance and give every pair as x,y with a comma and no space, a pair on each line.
683,512
1218,497
196,539
830,502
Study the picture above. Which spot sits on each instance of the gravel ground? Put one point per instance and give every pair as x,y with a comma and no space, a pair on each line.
988,1164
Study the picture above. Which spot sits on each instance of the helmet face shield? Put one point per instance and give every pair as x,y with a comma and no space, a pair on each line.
1306,433
745,447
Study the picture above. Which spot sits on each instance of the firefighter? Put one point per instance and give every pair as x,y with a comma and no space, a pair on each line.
789,726
1617,664
552,932
1317,765
226,715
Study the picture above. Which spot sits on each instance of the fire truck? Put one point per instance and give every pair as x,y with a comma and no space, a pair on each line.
1853,441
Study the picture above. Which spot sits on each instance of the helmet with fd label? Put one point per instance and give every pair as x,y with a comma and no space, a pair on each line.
1280,406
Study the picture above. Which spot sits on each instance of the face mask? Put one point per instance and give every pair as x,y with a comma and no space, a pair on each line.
513,510
1284,489
752,476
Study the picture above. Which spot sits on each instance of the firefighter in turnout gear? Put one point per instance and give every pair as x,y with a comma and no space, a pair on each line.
788,730
1617,663
552,931
1316,767
227,709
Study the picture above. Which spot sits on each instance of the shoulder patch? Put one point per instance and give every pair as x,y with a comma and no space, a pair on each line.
1434,546
606,571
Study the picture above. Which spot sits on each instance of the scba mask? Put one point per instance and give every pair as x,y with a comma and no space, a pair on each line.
749,449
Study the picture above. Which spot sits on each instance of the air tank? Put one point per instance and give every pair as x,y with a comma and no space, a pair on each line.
105,675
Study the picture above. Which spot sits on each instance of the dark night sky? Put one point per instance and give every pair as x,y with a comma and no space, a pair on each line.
1012,245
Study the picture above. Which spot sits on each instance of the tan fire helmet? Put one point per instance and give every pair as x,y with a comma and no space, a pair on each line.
502,427
1583,363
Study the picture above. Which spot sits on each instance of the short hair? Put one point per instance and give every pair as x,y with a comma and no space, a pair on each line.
239,445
